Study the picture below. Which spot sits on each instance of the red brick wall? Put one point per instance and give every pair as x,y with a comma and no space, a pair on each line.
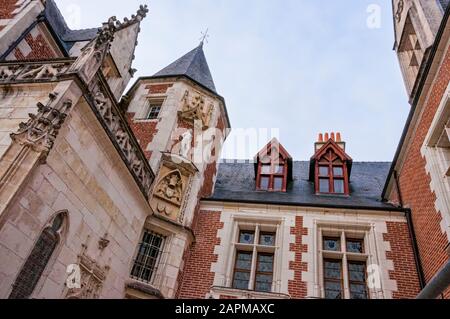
415,183
402,255
208,183
198,278
6,8
158,88
40,49
144,131
297,288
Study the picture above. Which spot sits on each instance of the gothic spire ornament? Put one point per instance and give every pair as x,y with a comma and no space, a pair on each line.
42,128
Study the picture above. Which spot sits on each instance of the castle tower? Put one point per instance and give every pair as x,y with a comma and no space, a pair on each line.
416,24
181,123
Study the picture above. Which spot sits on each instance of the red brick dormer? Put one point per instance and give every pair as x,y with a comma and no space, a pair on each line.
273,168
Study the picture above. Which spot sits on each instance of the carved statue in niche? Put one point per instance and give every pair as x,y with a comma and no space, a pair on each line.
195,109
186,144
170,188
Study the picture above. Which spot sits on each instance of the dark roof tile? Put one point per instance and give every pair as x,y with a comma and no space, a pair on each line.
192,65
59,25
236,182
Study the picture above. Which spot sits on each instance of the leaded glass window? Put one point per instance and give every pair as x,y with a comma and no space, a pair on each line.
37,261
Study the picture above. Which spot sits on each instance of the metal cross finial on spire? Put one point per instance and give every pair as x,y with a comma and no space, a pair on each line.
204,37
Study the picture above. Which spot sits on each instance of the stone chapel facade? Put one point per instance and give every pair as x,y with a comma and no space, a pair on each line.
113,194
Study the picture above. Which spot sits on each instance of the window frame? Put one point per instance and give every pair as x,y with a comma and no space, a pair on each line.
151,104
345,257
241,270
340,280
264,273
157,263
50,230
273,175
255,249
350,282
331,177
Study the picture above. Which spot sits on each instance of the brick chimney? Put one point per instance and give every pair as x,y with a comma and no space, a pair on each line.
325,137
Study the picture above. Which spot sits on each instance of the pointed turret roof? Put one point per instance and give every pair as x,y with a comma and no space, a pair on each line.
194,66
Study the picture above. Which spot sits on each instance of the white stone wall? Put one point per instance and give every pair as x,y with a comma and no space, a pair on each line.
85,176
15,104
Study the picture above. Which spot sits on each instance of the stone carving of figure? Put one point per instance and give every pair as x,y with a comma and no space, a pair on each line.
186,144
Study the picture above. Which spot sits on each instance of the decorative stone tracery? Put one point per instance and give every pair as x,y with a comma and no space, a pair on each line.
118,131
42,128
18,72
92,277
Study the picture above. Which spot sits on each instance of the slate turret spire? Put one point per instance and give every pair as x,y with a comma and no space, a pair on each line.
192,65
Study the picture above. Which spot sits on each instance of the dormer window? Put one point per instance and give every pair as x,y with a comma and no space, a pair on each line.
330,166
273,168
331,174
273,177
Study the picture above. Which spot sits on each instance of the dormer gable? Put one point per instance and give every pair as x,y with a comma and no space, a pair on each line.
273,168
330,167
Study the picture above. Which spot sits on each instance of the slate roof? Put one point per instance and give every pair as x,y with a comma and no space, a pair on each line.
67,36
194,66
236,183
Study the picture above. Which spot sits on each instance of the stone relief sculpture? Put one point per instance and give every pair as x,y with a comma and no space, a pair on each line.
195,109
91,278
398,14
170,188
186,144
117,128
32,71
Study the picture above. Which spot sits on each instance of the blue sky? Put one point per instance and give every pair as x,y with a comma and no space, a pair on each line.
300,66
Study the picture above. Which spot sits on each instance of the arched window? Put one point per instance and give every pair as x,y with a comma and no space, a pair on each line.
37,261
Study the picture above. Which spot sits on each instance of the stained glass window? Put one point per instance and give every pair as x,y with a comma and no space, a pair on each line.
357,279
267,239
355,246
264,273
37,261
333,279
246,237
332,244
242,270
